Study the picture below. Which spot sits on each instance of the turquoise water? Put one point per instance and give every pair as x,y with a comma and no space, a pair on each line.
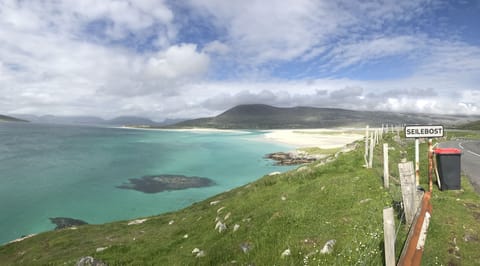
72,171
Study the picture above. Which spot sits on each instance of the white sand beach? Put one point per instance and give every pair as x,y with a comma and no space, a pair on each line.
321,138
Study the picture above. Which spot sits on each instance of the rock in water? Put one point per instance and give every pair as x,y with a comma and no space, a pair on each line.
159,183
64,222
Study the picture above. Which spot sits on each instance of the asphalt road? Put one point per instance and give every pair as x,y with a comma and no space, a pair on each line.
470,160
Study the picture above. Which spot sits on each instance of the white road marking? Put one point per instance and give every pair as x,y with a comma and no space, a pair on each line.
474,153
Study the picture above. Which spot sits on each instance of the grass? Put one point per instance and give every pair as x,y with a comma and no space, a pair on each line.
319,151
299,210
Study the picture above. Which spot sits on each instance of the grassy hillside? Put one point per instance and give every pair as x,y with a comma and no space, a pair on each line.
300,211
470,126
258,116
4,118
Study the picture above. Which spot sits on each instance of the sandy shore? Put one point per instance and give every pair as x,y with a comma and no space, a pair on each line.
321,138
194,130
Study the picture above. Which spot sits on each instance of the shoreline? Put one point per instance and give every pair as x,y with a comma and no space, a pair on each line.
317,138
324,138
192,130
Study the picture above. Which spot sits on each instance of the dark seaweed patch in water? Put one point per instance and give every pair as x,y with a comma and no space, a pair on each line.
64,222
159,183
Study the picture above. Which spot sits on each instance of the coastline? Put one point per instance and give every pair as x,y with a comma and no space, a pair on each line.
318,138
324,138
192,130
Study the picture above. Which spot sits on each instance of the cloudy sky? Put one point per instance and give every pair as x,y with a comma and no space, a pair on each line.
191,58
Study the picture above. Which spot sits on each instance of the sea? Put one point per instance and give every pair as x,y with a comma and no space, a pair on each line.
49,171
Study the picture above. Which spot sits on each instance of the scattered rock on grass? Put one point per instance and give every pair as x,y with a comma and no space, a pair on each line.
100,249
246,247
215,202
328,247
286,253
220,226
89,261
138,221
236,227
365,201
227,216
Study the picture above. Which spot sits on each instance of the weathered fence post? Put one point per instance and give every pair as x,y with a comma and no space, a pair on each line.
389,236
407,180
370,154
386,171
366,147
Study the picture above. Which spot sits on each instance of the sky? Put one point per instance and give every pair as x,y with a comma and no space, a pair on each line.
194,58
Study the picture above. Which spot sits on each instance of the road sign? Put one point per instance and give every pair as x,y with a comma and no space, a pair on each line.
426,131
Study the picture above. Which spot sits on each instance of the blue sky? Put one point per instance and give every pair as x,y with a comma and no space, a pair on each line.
191,58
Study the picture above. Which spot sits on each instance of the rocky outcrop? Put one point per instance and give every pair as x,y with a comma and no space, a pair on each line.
159,183
293,158
64,222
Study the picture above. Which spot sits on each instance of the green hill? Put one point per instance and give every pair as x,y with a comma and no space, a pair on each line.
4,118
258,116
470,126
299,211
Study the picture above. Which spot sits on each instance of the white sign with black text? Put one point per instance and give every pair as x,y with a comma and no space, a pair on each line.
427,131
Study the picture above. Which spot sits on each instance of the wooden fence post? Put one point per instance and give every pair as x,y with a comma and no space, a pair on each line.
366,147
407,180
386,171
370,154
389,236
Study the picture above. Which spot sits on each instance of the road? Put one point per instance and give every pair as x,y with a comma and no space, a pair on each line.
470,162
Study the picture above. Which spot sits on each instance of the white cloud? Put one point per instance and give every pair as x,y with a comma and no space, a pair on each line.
177,62
120,57
357,53
216,47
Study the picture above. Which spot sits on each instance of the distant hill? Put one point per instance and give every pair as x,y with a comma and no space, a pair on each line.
475,125
93,120
130,120
4,118
258,116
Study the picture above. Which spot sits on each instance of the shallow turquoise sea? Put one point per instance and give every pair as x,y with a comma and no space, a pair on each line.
73,171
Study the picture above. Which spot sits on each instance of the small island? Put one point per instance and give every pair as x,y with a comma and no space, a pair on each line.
159,183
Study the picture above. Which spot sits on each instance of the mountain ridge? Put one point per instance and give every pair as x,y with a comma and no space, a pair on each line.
6,118
261,116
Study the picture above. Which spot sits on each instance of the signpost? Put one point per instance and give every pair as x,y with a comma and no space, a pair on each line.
423,131
417,131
